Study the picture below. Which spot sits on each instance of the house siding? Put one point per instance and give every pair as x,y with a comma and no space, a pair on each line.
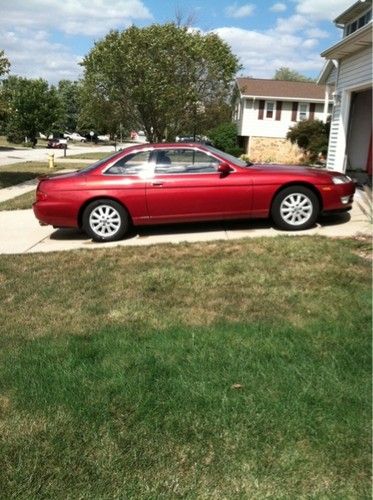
252,125
332,77
354,72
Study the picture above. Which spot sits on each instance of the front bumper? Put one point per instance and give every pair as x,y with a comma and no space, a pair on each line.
337,197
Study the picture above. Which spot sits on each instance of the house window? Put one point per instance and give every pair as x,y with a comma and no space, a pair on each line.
303,112
270,110
358,23
237,111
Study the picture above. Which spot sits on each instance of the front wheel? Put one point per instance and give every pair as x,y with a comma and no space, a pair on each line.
105,220
295,208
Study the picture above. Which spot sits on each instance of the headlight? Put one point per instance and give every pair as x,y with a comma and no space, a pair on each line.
341,179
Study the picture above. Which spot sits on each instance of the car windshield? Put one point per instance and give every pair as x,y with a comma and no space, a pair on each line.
232,159
97,163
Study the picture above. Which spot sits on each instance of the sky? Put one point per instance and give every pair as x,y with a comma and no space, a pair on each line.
48,38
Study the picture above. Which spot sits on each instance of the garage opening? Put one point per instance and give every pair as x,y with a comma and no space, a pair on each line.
359,138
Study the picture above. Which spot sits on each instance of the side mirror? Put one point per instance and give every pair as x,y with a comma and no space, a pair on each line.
224,168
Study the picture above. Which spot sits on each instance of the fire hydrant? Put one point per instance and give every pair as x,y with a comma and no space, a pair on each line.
51,160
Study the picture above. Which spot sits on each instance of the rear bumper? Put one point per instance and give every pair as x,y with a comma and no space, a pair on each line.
53,214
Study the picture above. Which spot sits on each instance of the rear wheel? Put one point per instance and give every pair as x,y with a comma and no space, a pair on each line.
295,208
105,220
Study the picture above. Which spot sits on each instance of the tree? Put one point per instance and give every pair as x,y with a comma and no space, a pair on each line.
4,69
157,77
68,93
288,74
4,64
35,107
312,136
224,137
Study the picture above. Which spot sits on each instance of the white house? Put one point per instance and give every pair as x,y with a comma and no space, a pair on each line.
349,70
266,109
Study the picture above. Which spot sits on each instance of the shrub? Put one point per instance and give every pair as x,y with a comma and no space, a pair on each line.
312,136
224,137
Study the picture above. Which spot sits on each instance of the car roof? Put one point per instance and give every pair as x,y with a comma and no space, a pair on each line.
166,145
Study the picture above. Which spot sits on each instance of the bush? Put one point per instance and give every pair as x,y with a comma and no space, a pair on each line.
15,136
312,136
224,137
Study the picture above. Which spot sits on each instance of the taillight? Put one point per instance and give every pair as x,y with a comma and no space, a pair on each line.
40,194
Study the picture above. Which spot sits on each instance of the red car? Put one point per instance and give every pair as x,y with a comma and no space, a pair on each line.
168,183
57,143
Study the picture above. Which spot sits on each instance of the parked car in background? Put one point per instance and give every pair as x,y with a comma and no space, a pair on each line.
74,136
138,136
103,138
197,138
57,143
168,183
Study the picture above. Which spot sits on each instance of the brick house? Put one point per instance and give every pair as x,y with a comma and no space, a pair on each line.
264,110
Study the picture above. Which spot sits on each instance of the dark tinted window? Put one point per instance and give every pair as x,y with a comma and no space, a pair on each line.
184,161
132,164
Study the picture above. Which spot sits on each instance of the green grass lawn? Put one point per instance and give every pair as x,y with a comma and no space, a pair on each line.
24,171
97,155
220,370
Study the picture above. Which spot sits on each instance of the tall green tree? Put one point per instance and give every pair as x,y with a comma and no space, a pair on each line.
157,77
4,69
68,93
285,73
35,107
4,64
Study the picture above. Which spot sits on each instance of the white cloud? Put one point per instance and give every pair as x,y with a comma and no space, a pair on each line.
278,7
292,24
317,33
237,11
25,32
322,9
310,43
31,54
83,17
261,53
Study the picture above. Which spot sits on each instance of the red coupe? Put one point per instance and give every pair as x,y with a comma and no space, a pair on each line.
167,183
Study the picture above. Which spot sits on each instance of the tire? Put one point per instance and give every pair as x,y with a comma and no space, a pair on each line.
105,220
295,208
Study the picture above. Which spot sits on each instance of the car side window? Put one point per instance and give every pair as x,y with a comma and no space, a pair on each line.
132,164
184,161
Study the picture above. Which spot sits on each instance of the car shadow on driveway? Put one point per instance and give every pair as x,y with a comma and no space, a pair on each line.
222,227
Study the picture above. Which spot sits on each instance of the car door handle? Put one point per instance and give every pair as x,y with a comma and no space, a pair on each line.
157,183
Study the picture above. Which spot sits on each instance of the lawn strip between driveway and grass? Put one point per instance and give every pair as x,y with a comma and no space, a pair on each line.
97,155
210,370
22,202
17,173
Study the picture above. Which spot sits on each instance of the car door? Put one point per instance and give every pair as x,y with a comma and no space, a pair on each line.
125,181
187,186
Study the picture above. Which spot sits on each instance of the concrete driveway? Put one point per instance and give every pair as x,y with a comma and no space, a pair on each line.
20,232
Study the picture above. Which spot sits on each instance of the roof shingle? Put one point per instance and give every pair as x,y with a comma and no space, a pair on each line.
258,87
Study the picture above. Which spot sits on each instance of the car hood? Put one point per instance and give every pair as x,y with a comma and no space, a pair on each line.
293,170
